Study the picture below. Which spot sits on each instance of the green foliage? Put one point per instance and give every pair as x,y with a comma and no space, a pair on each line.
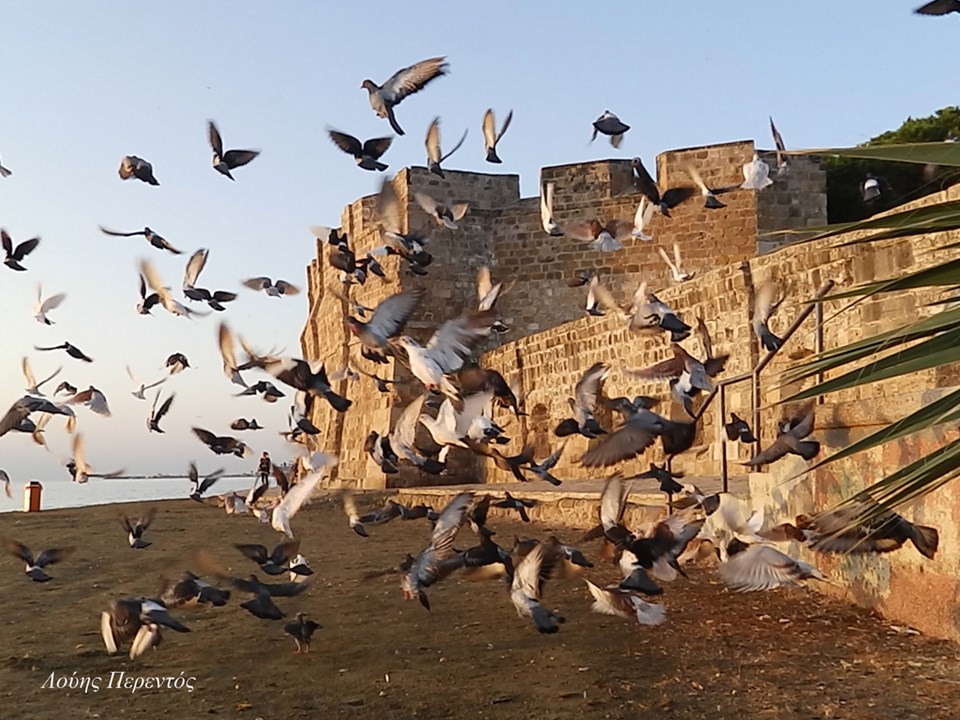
907,181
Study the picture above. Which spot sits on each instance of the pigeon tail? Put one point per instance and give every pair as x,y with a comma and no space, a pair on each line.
925,539
492,156
770,341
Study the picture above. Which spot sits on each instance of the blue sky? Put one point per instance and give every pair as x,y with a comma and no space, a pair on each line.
85,84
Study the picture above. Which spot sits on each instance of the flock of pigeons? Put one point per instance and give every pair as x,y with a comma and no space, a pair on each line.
457,408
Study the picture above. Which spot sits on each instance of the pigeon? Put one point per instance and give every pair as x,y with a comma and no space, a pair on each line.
147,301
634,436
448,217
132,166
72,351
612,600
163,293
402,439
431,564
268,390
222,445
387,321
675,265
546,211
762,567
273,289
65,387
42,307
261,605
510,502
190,590
379,449
366,154
191,276
447,350
353,515
756,174
861,526
687,375
78,468
609,124
5,172
200,487
646,314
642,219
141,388
308,376
782,165
401,84
156,414
939,7
224,162
15,255
244,424
764,306
135,530
34,567
300,570
542,469
666,478
33,387
150,236
710,200
584,404
18,416
790,440
5,479
873,187
273,562
491,137
136,620
231,368
302,631
648,187
738,429
472,379
410,245
605,237
299,493
93,399
526,589
434,155
176,363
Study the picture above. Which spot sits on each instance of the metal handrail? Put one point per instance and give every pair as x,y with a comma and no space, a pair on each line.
720,388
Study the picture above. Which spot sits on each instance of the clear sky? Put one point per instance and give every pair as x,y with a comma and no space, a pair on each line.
86,83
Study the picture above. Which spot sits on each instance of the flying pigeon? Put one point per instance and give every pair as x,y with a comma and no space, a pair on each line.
15,255
224,162
546,212
401,84
132,166
34,567
42,307
490,135
609,124
150,236
72,351
434,154
366,154
273,289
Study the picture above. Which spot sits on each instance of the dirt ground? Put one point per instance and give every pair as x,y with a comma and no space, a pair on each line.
785,654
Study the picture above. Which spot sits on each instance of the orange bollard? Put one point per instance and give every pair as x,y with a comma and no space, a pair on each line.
31,496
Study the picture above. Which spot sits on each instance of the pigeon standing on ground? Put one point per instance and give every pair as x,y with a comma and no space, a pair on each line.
302,631
402,83
490,135
224,162
609,124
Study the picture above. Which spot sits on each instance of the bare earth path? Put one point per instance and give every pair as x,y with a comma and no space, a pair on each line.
787,654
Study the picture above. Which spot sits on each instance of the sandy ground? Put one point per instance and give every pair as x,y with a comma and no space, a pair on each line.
786,654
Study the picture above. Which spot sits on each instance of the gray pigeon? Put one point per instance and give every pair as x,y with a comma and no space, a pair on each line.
609,124
132,166
402,83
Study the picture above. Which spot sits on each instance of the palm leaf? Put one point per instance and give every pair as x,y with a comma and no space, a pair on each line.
915,221
945,274
926,153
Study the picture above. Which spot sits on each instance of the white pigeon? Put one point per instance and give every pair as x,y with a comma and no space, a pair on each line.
141,387
642,219
195,266
756,174
44,306
33,387
762,567
546,211
676,267
612,600
298,494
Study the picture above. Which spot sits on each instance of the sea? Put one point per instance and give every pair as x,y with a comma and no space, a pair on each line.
105,491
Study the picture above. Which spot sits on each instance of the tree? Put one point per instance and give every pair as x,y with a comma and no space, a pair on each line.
907,181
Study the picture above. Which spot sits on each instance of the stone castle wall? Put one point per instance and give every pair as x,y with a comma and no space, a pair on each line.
503,231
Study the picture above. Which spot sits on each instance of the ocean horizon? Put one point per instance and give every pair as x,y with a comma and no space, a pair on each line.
59,494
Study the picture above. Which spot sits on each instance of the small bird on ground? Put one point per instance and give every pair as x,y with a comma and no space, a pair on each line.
383,98
302,631
224,162
34,566
133,167
490,135
609,124
136,529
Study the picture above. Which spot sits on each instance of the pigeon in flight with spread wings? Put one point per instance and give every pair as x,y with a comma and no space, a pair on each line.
367,154
149,235
439,558
490,135
15,254
434,154
383,98
790,440
610,125
546,211
42,307
224,162
132,166
299,494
